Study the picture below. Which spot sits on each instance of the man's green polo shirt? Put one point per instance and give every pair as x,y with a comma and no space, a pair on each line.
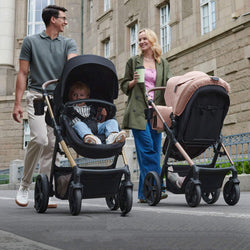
46,57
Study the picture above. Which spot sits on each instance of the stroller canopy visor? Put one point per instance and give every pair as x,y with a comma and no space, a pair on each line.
97,72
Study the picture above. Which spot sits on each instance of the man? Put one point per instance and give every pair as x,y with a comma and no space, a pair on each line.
42,58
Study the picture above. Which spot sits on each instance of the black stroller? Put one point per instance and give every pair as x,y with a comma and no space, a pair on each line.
76,182
196,105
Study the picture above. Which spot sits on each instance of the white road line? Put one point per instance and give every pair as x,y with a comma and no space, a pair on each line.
160,210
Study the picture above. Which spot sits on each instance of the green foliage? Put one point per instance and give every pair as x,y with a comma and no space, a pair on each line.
4,179
238,166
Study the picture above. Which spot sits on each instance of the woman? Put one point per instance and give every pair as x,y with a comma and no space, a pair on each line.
147,140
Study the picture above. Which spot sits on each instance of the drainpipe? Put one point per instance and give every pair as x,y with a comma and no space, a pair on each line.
81,27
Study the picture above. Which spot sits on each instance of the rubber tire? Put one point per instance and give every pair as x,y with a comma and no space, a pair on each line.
41,193
112,202
75,201
192,194
152,188
125,199
231,193
211,197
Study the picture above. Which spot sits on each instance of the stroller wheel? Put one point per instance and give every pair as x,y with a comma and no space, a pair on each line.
193,194
125,198
41,194
211,197
112,202
152,188
75,200
231,193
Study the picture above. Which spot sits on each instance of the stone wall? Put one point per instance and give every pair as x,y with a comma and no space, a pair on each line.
226,55
225,52
11,134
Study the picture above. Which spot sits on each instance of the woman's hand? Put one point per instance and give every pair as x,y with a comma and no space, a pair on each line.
134,81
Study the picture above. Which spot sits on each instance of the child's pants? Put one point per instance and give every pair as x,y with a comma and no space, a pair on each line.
105,127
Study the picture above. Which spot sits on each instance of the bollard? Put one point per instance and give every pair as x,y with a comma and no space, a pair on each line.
13,176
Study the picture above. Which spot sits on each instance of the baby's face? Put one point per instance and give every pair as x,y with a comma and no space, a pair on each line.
79,94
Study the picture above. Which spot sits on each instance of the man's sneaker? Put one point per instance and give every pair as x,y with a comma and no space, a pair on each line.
116,137
51,203
92,139
22,196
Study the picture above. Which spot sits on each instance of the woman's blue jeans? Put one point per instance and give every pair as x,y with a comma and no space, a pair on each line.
148,149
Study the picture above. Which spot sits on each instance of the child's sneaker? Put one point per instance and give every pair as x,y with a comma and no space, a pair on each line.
116,137
92,139
22,196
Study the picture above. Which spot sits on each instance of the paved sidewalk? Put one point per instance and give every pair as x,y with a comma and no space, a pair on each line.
172,224
9,241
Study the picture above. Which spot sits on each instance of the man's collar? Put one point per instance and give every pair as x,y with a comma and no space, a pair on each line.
44,35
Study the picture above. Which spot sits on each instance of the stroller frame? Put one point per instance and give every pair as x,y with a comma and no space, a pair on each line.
114,184
198,178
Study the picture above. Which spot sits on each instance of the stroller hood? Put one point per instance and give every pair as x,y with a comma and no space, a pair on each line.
97,72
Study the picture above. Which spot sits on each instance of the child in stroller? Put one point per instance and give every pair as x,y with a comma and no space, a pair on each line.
86,124
81,180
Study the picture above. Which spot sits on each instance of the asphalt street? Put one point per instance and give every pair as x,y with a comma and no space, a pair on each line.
169,225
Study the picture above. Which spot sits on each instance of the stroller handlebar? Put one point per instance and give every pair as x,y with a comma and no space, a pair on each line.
153,89
46,84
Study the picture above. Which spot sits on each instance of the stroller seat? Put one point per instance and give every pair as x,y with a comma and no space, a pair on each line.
88,150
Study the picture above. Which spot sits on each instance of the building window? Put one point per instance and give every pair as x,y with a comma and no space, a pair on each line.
133,39
90,11
165,34
106,5
207,16
107,48
35,22
26,133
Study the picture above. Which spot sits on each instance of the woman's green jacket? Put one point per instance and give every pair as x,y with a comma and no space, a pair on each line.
137,102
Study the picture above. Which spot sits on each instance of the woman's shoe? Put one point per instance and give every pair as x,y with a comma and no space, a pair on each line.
142,201
164,196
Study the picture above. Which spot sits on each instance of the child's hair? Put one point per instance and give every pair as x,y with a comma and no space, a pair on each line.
78,85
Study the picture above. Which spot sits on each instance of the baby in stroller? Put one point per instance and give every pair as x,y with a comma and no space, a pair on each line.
85,179
87,120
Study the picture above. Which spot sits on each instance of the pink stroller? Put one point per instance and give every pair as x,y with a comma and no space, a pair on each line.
196,105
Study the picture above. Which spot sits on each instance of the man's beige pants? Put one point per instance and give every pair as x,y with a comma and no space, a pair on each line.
41,145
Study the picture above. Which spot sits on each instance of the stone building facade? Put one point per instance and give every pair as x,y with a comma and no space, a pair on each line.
104,27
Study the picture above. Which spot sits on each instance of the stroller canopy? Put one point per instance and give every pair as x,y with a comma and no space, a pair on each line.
97,72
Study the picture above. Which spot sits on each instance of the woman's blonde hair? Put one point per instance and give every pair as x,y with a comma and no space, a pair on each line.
152,37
